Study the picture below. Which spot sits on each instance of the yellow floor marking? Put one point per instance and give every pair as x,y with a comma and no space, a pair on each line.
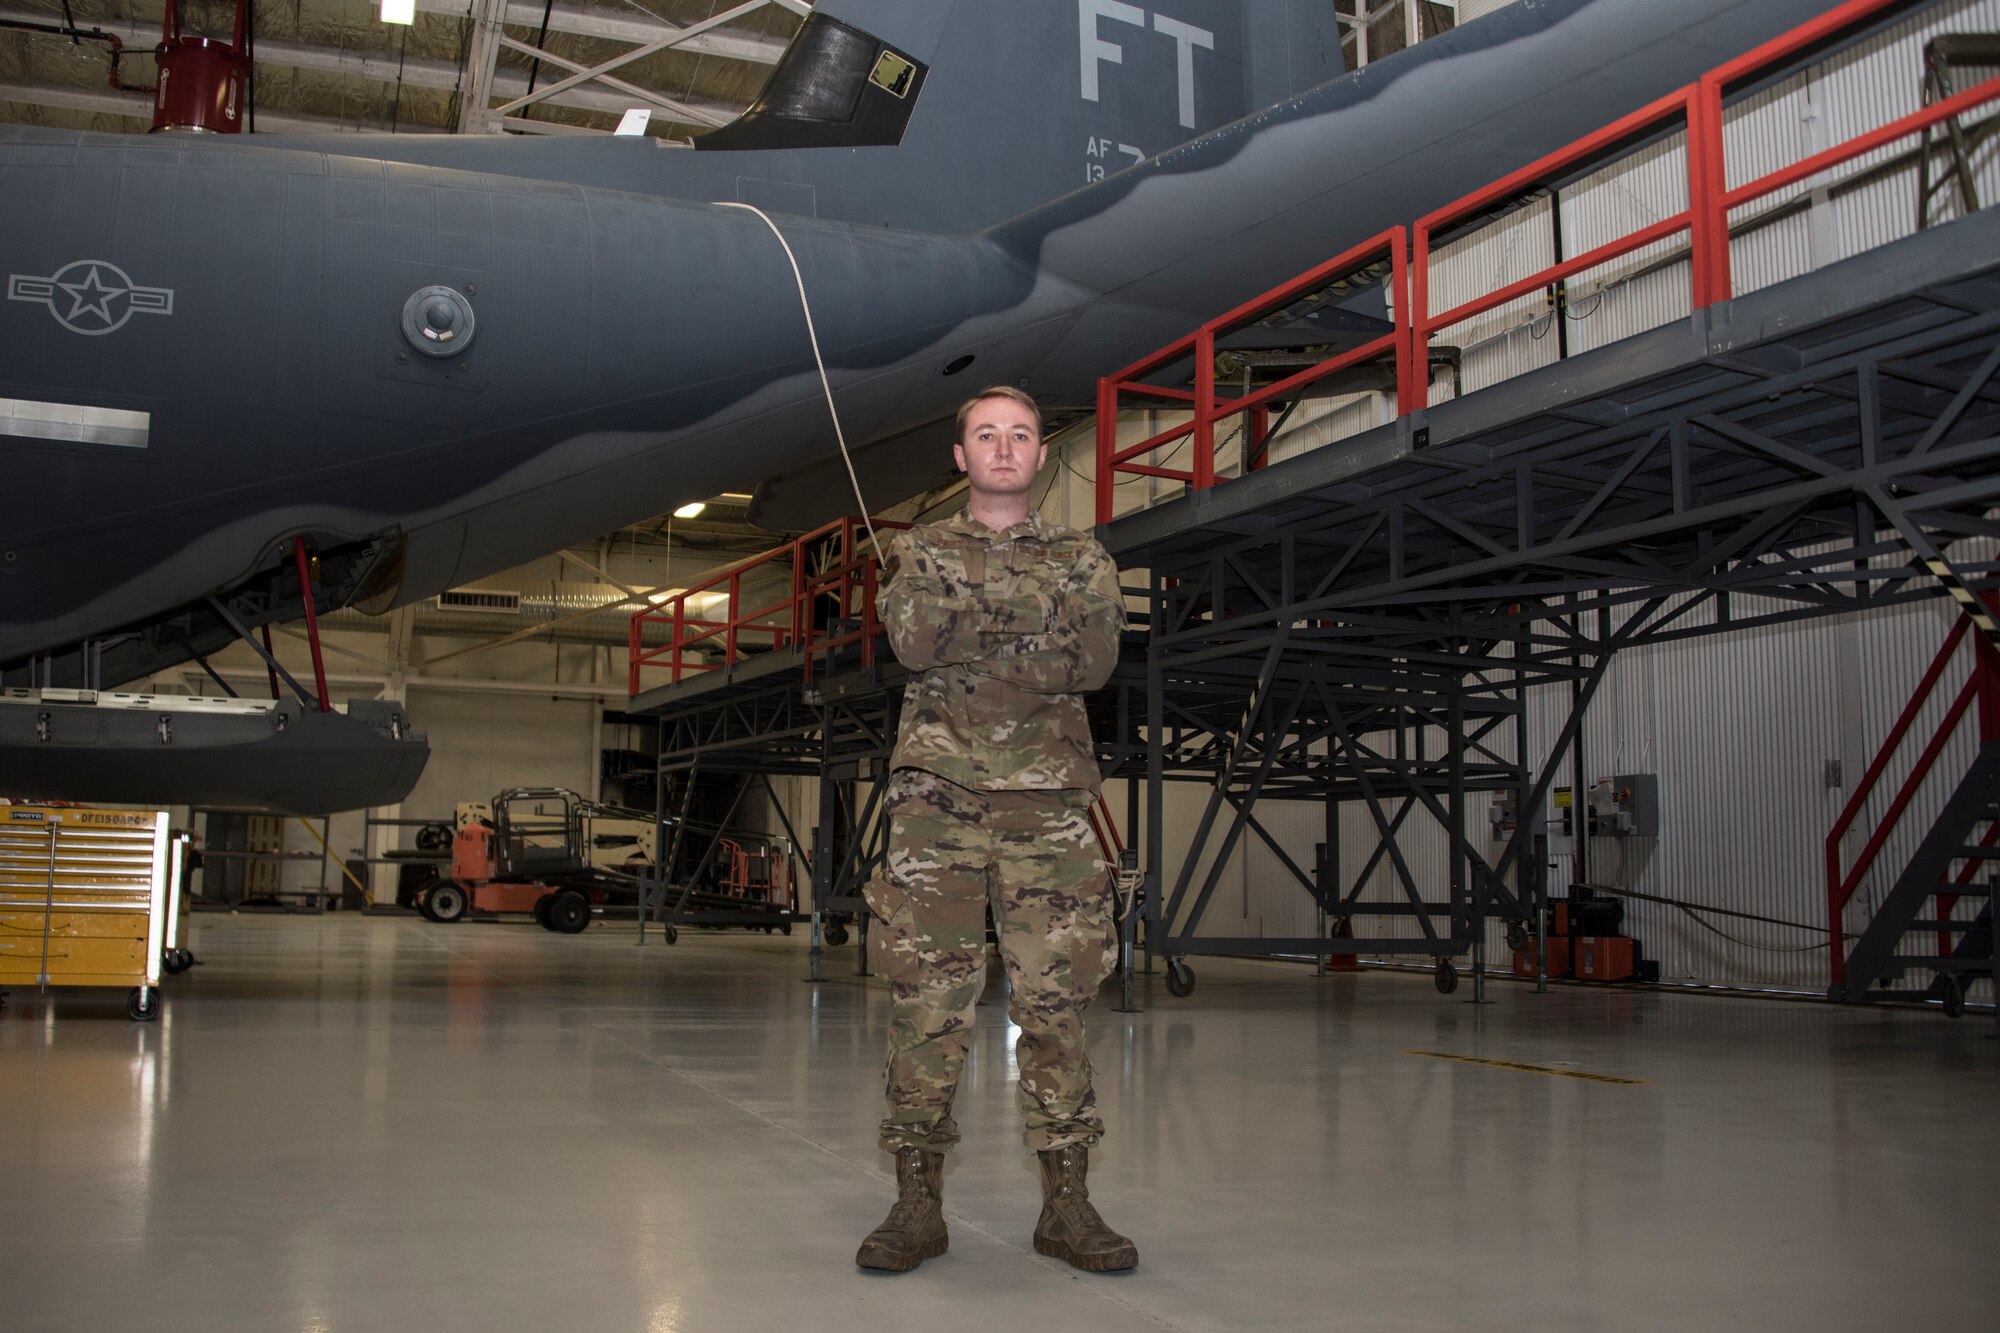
1531,1069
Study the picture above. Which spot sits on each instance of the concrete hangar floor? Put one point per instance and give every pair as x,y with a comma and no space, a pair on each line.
344,1123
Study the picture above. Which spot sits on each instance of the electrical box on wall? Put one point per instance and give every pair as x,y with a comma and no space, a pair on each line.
1504,815
1624,806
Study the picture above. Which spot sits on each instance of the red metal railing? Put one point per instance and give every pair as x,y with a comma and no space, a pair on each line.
1423,323
841,594
1698,106
1207,405
1981,687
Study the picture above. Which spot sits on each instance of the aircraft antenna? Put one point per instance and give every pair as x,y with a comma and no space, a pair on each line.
840,436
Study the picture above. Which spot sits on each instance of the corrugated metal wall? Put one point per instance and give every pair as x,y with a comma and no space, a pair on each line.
1828,103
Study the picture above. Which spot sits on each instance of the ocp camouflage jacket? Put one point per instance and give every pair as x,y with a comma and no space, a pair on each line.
1006,631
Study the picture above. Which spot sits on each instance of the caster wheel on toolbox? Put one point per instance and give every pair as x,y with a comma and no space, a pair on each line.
171,964
1180,978
1445,978
446,902
569,913
541,910
835,934
143,1004
187,958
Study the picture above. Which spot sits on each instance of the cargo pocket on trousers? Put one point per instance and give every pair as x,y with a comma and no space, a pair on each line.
1093,945
884,898
889,903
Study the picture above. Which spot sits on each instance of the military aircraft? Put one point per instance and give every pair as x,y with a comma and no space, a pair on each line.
436,358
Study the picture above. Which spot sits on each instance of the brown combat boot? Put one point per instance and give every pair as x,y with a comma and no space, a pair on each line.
1070,1228
914,1230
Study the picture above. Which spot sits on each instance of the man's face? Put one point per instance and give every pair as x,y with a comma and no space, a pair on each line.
1001,449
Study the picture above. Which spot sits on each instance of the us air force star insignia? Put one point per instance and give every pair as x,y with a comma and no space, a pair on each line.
91,296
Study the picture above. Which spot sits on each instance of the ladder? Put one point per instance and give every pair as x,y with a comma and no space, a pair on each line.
1944,56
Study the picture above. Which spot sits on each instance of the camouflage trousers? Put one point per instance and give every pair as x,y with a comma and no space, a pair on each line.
1035,859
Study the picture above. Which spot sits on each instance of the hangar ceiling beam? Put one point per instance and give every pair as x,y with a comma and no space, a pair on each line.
556,128
714,113
139,106
638,31
677,38
482,50
385,69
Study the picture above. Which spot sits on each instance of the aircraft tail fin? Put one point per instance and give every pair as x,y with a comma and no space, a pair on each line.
1213,221
994,108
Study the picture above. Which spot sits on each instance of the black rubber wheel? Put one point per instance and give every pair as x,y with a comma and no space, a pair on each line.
1180,978
785,926
170,962
541,911
835,934
446,901
569,912
187,958
143,1004
673,936
1952,993
1517,935
1445,978
424,903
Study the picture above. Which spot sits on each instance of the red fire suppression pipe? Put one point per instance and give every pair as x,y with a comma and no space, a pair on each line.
312,623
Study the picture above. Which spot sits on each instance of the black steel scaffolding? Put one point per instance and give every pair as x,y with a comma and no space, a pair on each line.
1362,623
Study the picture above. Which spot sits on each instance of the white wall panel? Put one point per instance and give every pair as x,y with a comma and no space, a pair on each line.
1832,101
482,744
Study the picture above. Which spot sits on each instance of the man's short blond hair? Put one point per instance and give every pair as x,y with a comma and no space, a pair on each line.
1006,391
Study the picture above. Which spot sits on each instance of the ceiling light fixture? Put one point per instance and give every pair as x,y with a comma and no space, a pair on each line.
690,510
399,11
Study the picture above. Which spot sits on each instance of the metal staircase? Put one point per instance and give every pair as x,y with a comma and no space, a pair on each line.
1937,915
1915,927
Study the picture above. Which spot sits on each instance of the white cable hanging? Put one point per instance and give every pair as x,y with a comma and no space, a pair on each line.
840,436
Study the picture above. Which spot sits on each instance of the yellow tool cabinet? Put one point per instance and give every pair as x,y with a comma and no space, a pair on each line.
87,898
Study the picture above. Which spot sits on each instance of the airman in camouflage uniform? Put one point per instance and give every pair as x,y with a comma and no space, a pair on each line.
1005,620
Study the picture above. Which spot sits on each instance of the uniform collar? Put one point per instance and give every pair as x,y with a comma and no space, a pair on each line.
1034,526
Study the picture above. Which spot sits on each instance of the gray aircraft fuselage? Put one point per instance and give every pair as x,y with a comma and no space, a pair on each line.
638,344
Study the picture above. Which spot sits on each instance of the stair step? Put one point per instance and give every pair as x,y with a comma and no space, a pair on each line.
1963,927
1974,852
1968,890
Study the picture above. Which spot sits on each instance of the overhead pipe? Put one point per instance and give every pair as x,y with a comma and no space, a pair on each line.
76,34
